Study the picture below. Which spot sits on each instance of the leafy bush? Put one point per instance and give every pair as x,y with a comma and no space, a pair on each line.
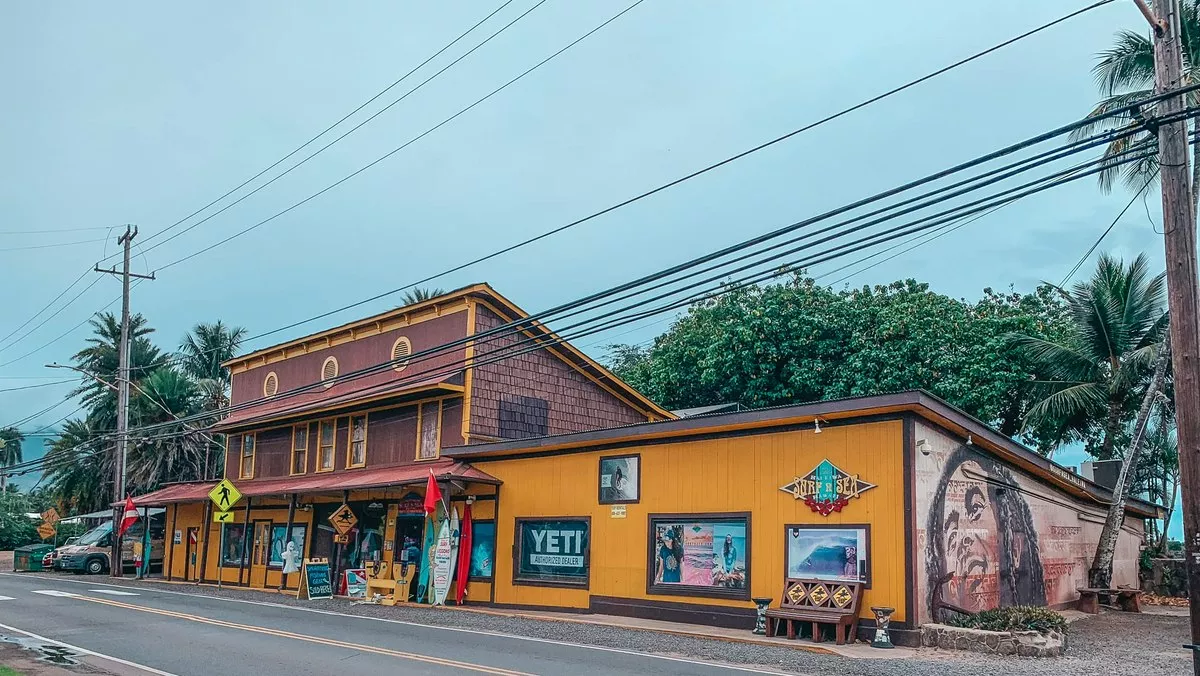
1013,618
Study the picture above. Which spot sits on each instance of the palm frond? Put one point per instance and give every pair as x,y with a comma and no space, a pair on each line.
1129,63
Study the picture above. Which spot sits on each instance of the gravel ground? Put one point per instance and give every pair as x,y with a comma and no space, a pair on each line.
1113,643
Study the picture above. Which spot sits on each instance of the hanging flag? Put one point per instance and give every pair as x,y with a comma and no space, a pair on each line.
464,556
130,517
433,495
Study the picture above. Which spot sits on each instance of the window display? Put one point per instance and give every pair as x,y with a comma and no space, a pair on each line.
700,555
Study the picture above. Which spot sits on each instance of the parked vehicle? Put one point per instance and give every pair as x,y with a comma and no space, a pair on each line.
91,553
50,561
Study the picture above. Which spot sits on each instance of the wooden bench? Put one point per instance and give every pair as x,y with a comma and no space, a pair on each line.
819,602
1129,600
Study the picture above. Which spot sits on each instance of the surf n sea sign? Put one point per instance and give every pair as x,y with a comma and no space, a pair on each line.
553,552
827,489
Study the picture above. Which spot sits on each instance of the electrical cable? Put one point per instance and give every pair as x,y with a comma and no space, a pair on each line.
347,133
1087,254
702,171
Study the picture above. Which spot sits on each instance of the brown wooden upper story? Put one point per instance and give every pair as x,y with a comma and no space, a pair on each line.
398,387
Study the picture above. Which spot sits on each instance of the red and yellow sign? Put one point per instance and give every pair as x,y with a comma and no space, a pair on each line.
826,489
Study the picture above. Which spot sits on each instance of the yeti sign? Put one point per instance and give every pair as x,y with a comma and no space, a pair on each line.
552,552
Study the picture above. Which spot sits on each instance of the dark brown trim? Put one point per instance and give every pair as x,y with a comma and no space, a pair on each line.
787,532
492,579
731,617
206,529
495,555
537,582
600,489
660,589
910,517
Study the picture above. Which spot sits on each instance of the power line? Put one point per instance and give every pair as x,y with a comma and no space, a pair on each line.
47,306
1087,254
51,316
31,387
407,143
51,246
43,232
665,186
343,119
872,240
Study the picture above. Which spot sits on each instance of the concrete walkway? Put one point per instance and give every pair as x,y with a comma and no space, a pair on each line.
857,650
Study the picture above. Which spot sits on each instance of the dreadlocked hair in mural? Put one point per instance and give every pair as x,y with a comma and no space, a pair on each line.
981,533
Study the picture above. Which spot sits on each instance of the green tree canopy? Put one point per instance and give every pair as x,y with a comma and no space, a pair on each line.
798,341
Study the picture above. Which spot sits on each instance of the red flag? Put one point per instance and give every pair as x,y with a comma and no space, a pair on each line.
433,495
131,516
464,555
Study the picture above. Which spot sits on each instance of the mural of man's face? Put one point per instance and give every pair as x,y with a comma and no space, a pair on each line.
969,543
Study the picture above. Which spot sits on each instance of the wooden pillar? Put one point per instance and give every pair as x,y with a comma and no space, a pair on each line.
169,552
205,528
496,534
245,544
287,537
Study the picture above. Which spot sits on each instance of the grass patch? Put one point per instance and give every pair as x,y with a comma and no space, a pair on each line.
1013,618
5,671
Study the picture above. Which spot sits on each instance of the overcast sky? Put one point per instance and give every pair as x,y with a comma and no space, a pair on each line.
144,112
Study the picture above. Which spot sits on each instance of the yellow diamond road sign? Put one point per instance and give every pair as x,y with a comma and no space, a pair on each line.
343,520
50,516
224,495
222,517
46,531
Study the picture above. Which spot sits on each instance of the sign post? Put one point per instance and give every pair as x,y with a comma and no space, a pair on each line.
224,496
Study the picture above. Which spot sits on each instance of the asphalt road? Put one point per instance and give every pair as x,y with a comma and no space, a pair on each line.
164,632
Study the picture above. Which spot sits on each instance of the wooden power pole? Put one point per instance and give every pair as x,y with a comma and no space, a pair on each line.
116,564
1179,226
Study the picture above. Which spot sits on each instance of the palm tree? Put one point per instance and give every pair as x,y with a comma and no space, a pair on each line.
207,346
1125,75
174,452
78,470
1093,380
421,294
10,452
101,358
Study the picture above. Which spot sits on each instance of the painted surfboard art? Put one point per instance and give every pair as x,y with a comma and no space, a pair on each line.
444,558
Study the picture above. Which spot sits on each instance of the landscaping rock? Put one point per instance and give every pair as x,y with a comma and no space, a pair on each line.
1023,643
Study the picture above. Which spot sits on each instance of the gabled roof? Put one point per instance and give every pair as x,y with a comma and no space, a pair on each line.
917,402
509,312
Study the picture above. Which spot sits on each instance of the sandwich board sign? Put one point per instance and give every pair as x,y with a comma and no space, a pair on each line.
224,495
314,580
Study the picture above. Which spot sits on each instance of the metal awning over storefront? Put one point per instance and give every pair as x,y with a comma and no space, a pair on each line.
407,475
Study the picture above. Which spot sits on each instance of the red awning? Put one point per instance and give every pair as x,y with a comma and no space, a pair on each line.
406,475
287,407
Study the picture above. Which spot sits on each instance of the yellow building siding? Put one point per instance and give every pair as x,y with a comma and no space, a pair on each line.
729,474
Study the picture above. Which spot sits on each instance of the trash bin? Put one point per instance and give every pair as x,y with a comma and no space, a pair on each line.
29,558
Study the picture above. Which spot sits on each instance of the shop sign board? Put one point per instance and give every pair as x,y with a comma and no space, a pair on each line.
554,550
826,488
314,580
343,519
224,495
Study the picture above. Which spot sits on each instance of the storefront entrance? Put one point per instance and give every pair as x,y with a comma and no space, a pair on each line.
191,554
260,557
410,534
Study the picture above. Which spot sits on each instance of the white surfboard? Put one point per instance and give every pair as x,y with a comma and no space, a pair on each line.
443,560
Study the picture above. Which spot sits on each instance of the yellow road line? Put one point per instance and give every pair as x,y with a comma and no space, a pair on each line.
440,661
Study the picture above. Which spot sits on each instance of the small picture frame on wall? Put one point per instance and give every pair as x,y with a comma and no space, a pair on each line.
620,479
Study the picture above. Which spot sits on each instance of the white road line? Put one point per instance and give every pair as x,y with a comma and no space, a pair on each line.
53,592
85,651
6,598
113,592
516,637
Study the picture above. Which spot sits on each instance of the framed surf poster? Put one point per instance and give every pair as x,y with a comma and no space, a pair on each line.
620,479
552,552
483,550
829,552
699,555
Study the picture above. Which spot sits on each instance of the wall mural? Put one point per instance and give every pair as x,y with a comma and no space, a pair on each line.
990,566
1002,537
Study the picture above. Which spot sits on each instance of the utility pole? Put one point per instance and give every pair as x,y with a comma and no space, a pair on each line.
116,564
1179,226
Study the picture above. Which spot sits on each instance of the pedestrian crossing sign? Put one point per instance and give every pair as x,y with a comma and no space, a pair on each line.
224,495
222,517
